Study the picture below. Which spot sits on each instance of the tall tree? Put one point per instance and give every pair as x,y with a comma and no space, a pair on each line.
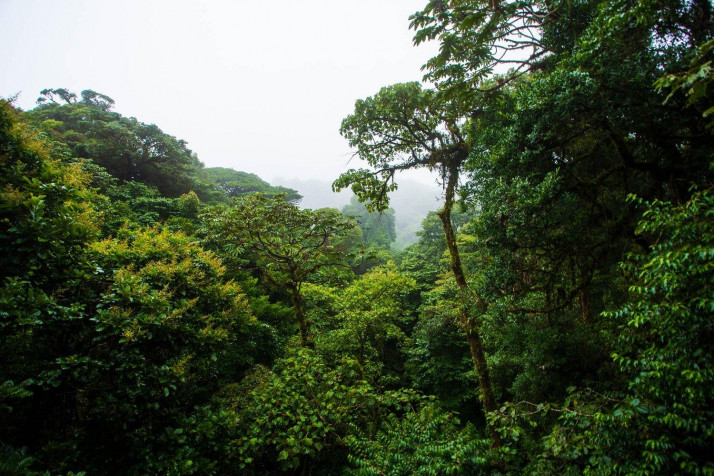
554,153
407,127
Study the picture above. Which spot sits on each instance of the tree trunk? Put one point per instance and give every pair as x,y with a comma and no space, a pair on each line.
471,327
300,315
481,366
585,305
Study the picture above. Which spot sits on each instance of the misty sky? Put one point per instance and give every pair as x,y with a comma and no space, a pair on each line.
259,86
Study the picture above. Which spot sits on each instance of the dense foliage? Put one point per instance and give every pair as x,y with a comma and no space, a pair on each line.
555,316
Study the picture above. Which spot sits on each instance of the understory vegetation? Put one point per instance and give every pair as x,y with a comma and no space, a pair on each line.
555,317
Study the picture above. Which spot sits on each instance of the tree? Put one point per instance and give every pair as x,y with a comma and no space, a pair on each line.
299,415
96,99
477,36
665,339
48,95
291,244
406,127
553,155
370,312
659,419
46,223
169,330
129,149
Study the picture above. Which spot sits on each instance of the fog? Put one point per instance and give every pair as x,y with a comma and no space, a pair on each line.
256,86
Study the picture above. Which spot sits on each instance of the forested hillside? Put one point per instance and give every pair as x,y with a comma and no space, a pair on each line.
556,315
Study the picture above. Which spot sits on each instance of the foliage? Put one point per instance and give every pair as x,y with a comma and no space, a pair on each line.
45,224
300,414
128,149
291,244
105,351
370,316
427,259
45,216
235,184
142,331
168,331
665,342
135,202
438,361
424,442
658,419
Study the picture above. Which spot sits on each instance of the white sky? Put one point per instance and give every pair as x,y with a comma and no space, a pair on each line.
259,86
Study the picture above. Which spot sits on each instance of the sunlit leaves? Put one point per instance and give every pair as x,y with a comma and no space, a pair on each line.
169,331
